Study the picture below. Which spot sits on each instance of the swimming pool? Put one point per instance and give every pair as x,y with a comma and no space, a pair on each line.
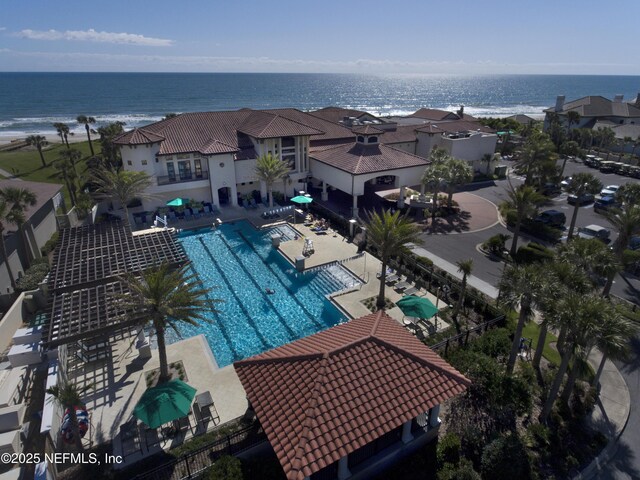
238,264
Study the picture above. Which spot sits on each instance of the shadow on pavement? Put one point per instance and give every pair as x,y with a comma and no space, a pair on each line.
622,462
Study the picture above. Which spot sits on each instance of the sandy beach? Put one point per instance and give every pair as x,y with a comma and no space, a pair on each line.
51,138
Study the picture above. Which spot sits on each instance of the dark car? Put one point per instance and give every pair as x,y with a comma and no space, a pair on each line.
605,203
553,218
584,198
550,189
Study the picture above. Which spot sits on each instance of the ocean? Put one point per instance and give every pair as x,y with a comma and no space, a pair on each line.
32,102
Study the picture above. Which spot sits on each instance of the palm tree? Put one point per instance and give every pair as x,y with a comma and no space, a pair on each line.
573,117
73,156
626,221
581,184
459,173
69,396
269,169
167,298
63,131
123,186
567,149
629,194
435,176
636,144
538,156
523,202
86,121
4,212
38,141
581,314
465,267
19,199
66,171
613,340
607,138
487,158
390,233
109,150
521,286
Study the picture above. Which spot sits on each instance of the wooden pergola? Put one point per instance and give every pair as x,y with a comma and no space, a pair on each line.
86,285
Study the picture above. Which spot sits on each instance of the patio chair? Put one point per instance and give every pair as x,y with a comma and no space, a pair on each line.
404,285
207,415
182,425
195,212
172,215
207,211
253,203
151,437
215,209
130,439
391,279
411,290
187,214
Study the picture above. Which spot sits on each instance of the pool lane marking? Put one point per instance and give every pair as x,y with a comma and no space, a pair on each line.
292,334
223,275
291,293
223,328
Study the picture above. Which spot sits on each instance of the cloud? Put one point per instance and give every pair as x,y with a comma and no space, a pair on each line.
2,29
93,36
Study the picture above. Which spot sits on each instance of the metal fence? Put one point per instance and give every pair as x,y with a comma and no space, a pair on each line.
463,338
193,464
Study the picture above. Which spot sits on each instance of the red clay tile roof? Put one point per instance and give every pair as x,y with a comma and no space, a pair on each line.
138,136
324,396
357,158
336,114
454,127
222,132
367,130
262,124
400,134
598,106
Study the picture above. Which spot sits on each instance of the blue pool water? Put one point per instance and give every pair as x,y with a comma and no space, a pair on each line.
238,263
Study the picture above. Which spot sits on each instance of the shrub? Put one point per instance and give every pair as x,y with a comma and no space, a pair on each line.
495,343
505,459
448,449
50,245
464,471
496,244
226,468
534,252
33,276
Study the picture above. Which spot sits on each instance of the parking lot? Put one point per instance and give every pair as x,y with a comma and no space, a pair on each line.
464,245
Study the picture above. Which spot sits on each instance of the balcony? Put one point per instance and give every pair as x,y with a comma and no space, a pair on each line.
169,180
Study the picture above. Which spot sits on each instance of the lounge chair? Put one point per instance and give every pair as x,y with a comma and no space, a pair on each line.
151,437
172,215
411,290
215,209
187,214
391,279
130,439
404,285
253,203
182,425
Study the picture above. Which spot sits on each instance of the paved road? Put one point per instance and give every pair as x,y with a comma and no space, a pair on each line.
625,464
453,248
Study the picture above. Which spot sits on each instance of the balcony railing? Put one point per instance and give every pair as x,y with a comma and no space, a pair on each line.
168,180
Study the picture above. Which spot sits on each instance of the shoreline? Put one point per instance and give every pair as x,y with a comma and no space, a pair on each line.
51,138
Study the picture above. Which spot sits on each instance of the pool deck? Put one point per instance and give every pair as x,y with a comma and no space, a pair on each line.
119,384
330,247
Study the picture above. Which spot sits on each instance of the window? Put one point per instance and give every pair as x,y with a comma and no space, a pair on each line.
184,155
171,172
184,170
198,167
373,139
289,151
144,162
360,139
129,162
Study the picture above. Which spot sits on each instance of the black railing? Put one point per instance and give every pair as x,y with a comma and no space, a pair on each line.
193,464
192,177
463,338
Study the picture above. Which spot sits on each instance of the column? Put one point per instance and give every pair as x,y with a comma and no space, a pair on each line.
354,208
234,195
401,198
406,431
434,421
343,468
325,195
263,192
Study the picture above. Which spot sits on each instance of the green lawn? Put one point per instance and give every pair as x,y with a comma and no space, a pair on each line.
532,330
27,165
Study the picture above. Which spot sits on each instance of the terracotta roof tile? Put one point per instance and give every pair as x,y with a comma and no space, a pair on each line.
138,136
367,130
358,159
326,395
262,124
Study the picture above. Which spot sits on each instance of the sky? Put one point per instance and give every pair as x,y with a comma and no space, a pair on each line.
346,36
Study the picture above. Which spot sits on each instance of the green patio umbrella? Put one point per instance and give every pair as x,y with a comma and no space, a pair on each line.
419,307
164,403
177,202
301,199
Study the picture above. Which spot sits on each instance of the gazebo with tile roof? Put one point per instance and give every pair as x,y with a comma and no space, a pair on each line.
330,403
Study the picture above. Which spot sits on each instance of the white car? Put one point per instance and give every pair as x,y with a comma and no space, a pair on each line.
595,231
609,190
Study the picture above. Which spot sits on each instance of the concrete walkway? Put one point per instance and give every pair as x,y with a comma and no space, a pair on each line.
9,176
452,270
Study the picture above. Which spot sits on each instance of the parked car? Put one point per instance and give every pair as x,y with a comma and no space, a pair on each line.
584,198
605,203
609,190
553,218
595,231
566,182
593,161
634,243
550,189
607,166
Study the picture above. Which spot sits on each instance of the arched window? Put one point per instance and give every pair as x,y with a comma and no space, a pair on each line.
360,139
373,139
